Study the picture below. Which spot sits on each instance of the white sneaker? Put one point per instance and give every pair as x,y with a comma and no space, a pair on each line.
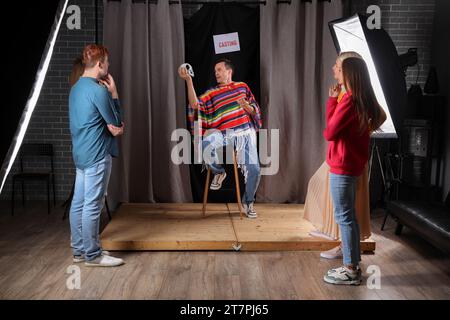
250,211
343,275
318,234
81,258
104,261
335,253
216,184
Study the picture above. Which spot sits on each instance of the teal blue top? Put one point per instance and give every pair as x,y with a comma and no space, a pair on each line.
91,109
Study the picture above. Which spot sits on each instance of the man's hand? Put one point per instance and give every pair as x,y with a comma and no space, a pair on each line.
116,131
334,90
183,73
192,96
246,105
110,84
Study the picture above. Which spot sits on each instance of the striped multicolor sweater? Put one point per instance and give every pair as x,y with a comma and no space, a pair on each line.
218,108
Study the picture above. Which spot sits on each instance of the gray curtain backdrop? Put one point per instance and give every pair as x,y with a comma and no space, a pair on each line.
146,46
297,54
146,43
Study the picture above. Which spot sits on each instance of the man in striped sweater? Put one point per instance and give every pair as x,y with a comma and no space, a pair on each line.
227,114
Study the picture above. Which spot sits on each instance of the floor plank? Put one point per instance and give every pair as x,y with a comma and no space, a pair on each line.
35,254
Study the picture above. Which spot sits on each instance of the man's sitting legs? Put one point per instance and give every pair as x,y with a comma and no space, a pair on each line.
210,144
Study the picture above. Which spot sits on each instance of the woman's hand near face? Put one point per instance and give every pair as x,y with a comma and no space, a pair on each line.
334,90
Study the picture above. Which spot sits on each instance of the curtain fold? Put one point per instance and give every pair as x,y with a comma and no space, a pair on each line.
146,43
297,54
146,46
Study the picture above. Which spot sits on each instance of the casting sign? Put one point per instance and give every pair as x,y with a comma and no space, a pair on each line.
228,42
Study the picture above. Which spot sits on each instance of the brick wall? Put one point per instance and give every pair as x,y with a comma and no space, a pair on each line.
49,122
410,25
409,22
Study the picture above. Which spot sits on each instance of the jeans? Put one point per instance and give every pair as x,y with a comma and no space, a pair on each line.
343,191
247,158
91,185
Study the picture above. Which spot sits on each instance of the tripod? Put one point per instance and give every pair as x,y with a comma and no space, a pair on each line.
377,151
391,180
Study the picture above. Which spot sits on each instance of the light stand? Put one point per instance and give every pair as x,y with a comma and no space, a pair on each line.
393,180
391,177
375,151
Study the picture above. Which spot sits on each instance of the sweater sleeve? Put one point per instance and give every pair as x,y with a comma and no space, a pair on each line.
256,118
118,110
339,118
198,113
331,107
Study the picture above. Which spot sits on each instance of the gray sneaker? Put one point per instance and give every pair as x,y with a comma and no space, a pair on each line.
104,261
343,275
250,211
81,258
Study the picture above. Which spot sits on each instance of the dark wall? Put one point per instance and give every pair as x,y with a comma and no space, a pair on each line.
24,57
49,122
440,59
199,30
410,25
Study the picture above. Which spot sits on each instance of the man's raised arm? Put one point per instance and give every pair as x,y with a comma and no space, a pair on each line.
192,96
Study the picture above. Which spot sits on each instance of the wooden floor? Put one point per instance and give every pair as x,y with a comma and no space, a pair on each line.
35,255
173,226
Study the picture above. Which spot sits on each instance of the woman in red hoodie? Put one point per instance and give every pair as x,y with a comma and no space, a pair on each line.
349,124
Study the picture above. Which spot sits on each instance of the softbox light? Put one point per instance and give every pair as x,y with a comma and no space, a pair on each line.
380,55
35,91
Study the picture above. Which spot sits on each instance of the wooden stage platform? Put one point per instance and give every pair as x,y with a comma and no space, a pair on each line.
175,226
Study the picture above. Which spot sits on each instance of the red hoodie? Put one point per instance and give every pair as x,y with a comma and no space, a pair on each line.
348,147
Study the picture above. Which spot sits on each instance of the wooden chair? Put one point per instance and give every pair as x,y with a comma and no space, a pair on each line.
236,179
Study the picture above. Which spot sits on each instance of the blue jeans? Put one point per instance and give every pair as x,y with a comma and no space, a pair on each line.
343,191
90,189
247,158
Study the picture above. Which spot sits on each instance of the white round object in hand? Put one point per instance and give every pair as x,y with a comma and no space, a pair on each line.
188,68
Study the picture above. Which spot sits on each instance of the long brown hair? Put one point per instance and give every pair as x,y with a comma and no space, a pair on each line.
77,70
356,79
